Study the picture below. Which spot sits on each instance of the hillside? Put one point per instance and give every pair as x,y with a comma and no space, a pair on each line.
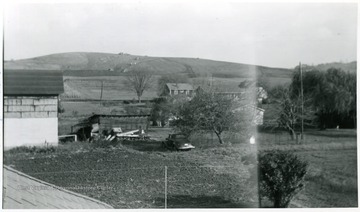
85,72
348,67
105,64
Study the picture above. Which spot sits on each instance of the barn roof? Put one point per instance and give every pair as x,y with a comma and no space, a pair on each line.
33,82
179,86
22,191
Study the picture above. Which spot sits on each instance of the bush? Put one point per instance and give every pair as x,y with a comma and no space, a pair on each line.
282,176
101,142
33,149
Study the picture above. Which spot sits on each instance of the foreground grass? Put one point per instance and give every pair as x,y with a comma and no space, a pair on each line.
132,174
332,175
331,180
127,178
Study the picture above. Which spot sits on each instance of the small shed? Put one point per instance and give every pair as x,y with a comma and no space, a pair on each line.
179,88
30,107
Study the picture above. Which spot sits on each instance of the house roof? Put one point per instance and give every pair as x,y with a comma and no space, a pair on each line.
179,86
33,82
20,191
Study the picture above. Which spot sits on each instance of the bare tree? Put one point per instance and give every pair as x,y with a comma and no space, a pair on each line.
139,80
288,112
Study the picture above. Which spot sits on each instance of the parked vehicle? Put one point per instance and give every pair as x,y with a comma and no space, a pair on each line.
178,142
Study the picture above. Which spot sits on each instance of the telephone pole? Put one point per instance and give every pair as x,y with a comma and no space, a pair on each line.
102,87
302,103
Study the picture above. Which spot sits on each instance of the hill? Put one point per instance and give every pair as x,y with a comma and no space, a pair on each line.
105,64
85,72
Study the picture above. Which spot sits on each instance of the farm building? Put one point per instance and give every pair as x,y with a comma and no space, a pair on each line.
30,107
105,122
234,95
239,94
261,94
179,88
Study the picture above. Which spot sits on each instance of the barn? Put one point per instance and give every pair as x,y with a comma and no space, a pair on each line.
31,107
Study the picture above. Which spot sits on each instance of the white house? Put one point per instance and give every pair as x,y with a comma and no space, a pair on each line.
261,94
30,107
179,88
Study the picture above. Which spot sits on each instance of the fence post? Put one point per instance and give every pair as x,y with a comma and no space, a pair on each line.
165,187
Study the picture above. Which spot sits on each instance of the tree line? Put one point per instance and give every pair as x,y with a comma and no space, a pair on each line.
329,100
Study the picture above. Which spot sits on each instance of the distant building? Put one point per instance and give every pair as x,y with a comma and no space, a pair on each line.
230,94
30,107
261,94
179,88
233,95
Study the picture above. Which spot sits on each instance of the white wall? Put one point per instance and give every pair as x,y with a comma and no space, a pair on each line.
30,131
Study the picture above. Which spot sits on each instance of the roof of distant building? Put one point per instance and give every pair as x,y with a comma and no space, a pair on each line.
24,192
179,86
33,82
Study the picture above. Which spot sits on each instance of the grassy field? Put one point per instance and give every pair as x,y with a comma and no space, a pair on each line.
332,156
132,175
128,178
98,64
73,108
114,88
332,179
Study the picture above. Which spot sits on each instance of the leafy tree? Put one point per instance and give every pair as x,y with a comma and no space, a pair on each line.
211,112
139,80
332,94
281,176
165,107
161,111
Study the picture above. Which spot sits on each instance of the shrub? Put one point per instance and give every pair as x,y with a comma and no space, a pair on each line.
33,149
281,176
101,142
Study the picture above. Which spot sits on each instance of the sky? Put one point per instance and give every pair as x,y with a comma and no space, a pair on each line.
268,34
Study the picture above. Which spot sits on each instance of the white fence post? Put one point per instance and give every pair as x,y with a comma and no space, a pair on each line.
165,187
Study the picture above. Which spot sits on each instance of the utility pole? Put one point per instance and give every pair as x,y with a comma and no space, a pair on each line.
102,88
302,103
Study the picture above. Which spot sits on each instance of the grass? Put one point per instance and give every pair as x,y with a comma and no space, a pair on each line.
132,174
134,179
115,89
331,180
87,108
97,64
32,149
